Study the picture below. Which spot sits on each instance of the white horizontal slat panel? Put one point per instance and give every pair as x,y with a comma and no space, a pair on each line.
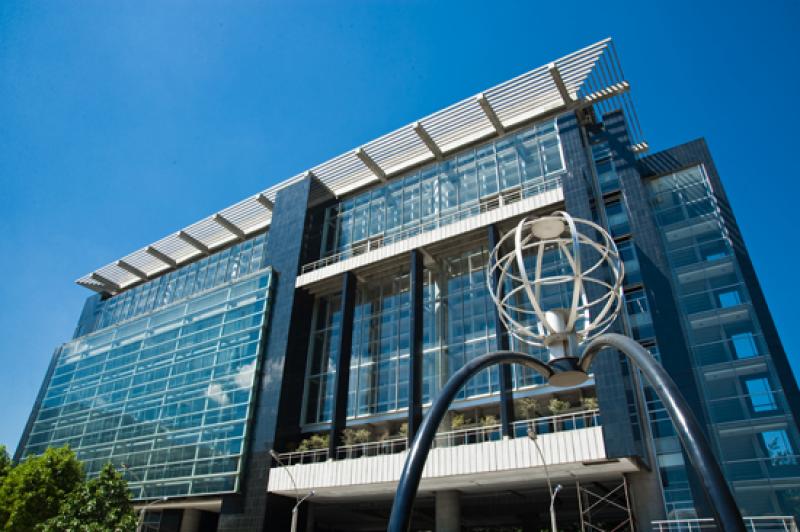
514,102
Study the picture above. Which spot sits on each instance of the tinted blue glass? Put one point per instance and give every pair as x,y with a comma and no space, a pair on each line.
228,265
166,394
723,331
760,393
448,191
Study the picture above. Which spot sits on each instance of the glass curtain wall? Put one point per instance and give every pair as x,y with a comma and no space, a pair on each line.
167,394
323,358
380,355
459,323
756,438
227,265
529,161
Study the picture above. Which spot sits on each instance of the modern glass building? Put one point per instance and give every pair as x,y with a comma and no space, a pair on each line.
292,342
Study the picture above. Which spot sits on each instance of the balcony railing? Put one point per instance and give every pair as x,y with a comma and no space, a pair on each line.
453,438
491,203
781,523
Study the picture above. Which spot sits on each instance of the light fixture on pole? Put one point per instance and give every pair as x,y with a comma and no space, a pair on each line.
534,438
298,499
143,510
575,263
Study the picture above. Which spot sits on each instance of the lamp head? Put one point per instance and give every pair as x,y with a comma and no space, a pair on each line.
559,284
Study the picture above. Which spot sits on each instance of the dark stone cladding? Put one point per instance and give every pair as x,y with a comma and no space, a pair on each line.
656,278
26,432
341,383
610,380
279,382
416,281
506,384
656,274
691,154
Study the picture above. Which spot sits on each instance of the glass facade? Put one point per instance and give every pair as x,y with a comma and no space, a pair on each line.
458,325
224,266
528,161
165,395
755,437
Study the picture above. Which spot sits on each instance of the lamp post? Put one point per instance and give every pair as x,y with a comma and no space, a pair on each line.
298,499
553,495
534,438
143,510
584,314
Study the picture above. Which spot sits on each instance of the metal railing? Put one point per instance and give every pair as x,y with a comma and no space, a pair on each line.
778,523
452,438
481,206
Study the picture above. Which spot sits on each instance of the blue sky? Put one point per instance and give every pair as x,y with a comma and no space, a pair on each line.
123,121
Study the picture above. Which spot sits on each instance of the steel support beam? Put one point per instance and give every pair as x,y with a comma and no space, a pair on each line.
370,163
192,241
265,201
425,137
566,97
108,283
229,226
130,268
490,114
166,259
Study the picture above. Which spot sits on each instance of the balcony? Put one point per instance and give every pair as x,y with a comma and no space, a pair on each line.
507,204
572,445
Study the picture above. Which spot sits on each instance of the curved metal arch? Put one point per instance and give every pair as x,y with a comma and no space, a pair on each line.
400,518
726,512
689,430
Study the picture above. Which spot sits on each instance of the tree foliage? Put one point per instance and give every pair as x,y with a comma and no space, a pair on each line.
5,463
50,493
101,504
32,492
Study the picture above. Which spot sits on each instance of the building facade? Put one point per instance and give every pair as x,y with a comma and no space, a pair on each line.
292,342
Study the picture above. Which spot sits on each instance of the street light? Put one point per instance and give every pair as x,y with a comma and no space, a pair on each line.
534,438
140,520
299,500
516,281
143,510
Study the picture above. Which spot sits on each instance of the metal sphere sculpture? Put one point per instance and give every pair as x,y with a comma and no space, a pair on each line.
560,281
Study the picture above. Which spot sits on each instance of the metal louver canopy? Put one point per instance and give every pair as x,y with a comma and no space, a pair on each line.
589,77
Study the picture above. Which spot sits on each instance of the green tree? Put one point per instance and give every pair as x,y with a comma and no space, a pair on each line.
5,463
99,505
33,491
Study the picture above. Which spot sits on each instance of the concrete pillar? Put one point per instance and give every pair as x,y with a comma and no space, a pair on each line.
190,522
448,511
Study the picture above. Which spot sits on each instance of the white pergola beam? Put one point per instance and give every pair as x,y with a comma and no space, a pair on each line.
166,259
265,201
552,68
603,94
490,114
427,139
371,164
130,268
192,241
229,226
107,283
